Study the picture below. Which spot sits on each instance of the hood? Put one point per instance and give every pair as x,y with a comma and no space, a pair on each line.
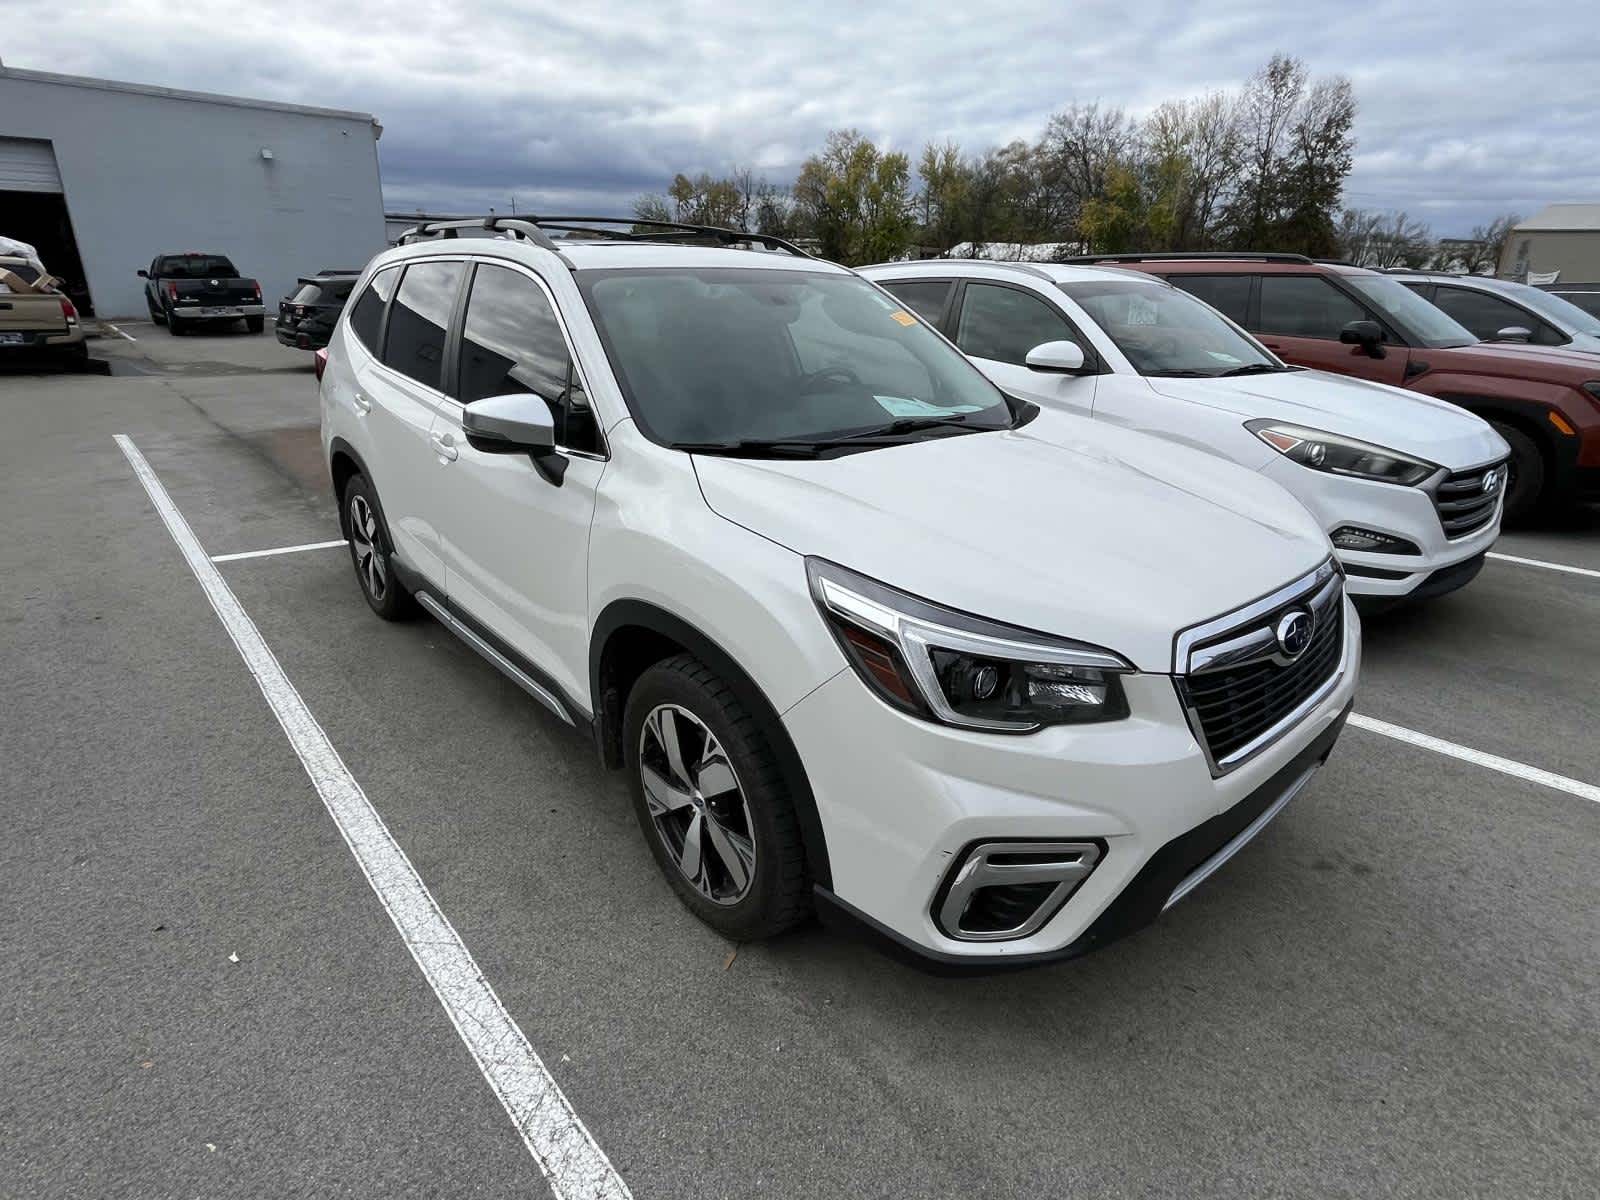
1064,526
1544,364
1429,429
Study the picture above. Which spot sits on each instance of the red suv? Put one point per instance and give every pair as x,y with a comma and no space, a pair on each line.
1545,402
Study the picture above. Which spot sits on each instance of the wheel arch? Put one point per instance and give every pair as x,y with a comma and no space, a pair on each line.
344,462
628,637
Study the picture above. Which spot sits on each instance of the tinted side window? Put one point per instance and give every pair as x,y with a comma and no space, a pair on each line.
1487,315
419,318
1305,306
925,297
512,342
1003,324
1228,294
366,318
1588,301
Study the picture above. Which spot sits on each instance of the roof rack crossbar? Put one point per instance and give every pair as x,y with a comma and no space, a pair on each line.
533,228
1190,255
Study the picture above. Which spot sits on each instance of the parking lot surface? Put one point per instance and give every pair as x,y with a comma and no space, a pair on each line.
1390,993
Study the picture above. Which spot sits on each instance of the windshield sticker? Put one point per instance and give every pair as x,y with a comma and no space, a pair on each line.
907,406
903,317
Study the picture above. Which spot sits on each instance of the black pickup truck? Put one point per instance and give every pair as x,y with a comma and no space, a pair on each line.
189,289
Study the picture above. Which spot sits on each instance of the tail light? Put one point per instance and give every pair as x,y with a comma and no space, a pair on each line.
68,311
172,290
258,293
321,360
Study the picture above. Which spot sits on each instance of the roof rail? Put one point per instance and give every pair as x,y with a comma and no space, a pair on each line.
533,228
1189,255
1016,264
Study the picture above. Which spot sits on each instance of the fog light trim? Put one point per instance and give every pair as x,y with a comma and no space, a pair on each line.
1013,864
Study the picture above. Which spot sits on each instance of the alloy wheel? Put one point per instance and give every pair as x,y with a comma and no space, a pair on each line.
364,545
697,804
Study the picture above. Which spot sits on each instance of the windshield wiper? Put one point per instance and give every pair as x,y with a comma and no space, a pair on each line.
752,447
878,435
1253,369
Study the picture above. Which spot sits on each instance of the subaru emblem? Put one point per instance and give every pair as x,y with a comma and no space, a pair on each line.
1294,633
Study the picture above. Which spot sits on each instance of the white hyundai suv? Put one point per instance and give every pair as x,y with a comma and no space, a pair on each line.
870,637
1385,471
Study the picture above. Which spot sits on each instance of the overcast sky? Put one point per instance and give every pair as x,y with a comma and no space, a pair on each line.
1468,108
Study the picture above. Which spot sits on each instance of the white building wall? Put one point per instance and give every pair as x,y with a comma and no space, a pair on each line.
148,171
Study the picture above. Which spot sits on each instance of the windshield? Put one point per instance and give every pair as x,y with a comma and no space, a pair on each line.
723,355
1393,299
1547,304
1165,331
196,266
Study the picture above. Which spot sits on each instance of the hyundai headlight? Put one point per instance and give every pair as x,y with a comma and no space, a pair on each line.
943,665
1340,455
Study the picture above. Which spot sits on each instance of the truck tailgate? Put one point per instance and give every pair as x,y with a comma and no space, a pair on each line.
22,312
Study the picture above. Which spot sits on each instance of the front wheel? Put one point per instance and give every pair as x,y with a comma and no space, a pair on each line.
1525,481
371,552
713,803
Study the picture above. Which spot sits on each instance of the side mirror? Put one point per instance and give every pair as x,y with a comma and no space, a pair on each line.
143,274
1056,358
515,424
1513,333
1366,334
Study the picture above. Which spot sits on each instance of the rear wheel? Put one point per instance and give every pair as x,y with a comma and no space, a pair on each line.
371,551
156,315
255,324
1525,481
713,803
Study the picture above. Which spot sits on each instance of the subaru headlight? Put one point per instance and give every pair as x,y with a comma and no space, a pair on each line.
1340,455
943,665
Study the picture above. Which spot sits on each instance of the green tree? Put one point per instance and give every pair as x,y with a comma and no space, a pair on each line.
856,199
1114,221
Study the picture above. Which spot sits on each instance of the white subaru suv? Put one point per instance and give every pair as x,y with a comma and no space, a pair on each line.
992,684
1409,489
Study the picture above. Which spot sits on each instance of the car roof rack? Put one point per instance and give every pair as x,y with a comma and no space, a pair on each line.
1190,256
533,228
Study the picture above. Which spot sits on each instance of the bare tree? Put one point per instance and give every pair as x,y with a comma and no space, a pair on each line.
1382,240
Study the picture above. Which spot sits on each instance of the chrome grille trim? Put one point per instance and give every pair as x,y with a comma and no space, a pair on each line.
1459,498
1240,720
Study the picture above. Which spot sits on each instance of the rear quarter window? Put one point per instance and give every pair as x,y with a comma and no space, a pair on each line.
366,318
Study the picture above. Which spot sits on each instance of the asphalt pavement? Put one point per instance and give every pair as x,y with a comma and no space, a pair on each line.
1392,993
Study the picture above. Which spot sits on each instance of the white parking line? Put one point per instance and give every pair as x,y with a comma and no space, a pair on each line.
279,550
576,1168
118,332
1506,766
1548,566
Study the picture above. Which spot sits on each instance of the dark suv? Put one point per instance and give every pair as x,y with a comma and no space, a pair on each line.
1544,401
306,319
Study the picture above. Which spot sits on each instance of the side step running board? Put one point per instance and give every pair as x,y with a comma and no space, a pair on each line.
507,668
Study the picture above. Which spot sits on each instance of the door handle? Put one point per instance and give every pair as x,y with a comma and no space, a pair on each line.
363,405
444,445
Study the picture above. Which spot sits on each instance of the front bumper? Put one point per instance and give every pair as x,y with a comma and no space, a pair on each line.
1401,512
899,800
217,312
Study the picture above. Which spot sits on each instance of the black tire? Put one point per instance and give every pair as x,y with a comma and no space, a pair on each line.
255,324
177,326
1525,487
778,893
156,315
361,519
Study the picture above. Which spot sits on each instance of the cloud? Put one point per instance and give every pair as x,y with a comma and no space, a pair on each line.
1465,111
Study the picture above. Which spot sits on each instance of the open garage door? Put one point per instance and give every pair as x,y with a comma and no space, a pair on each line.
27,165
33,209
